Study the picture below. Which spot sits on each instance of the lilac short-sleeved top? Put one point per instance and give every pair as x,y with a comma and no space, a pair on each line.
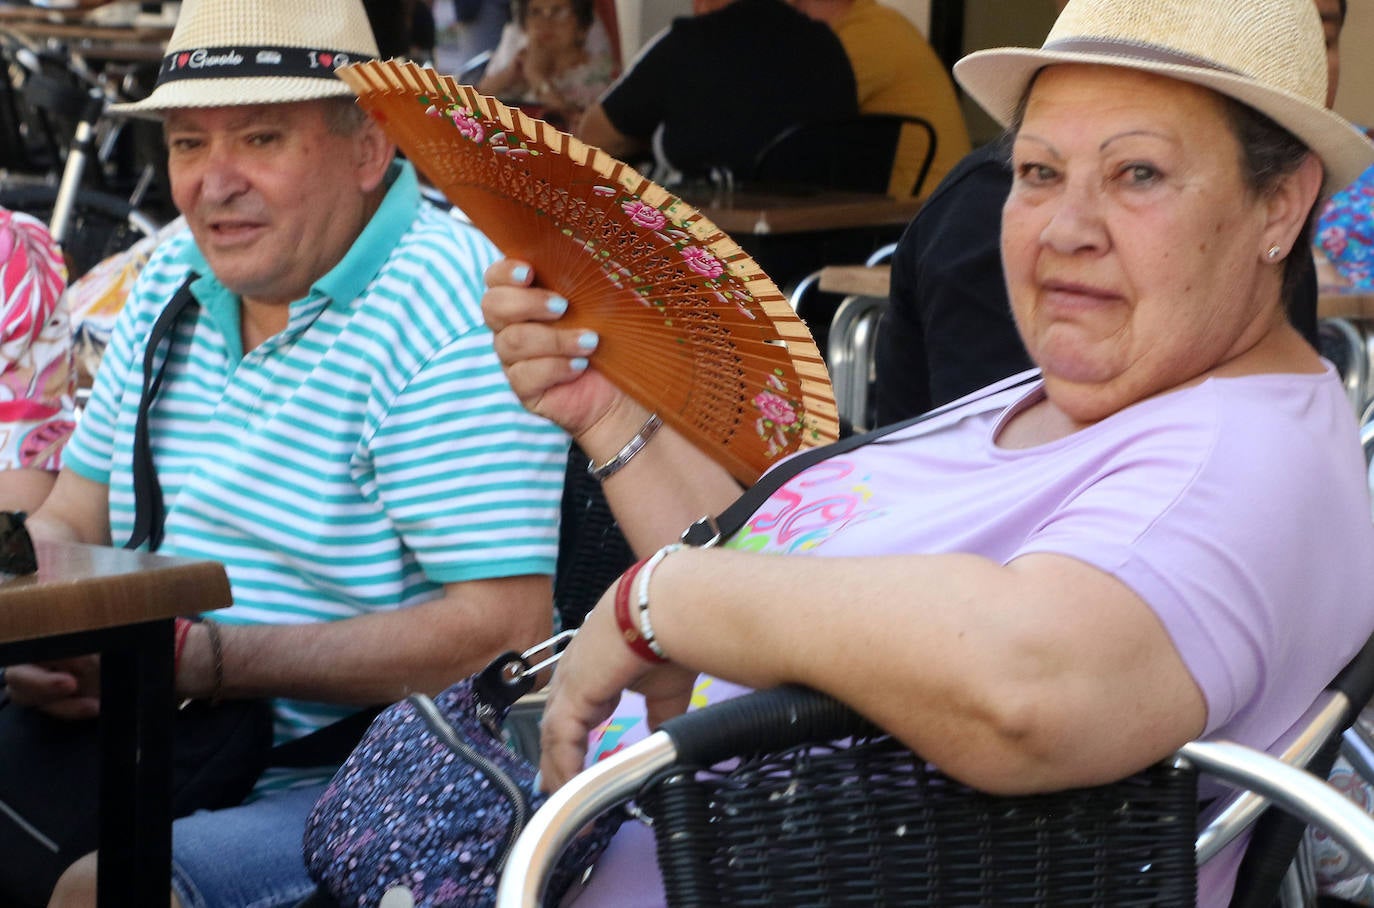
1237,509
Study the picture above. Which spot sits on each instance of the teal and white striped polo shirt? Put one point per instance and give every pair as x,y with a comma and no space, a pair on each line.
369,453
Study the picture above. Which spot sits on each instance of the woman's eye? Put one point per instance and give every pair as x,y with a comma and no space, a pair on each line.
1030,172
1140,174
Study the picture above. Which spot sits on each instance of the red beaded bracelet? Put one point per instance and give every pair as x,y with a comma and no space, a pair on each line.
629,627
182,627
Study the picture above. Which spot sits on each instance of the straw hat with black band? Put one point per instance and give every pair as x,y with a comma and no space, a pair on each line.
1266,54
257,52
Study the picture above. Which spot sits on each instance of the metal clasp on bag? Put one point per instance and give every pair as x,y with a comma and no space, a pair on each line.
703,534
510,676
556,644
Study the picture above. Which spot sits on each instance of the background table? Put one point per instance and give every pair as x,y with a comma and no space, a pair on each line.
760,210
1345,305
87,599
74,29
856,280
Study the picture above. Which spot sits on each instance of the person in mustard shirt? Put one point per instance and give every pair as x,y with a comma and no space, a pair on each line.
898,72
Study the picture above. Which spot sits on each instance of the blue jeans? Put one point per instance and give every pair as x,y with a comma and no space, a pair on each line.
244,857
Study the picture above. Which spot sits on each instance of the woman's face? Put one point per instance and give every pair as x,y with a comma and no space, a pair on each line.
1134,251
552,24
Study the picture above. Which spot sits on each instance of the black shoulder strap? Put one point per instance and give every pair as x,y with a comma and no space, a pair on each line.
710,530
148,509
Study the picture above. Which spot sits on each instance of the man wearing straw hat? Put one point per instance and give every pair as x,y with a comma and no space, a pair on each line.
332,424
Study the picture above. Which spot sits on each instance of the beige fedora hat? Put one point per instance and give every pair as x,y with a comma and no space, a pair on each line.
1268,54
233,52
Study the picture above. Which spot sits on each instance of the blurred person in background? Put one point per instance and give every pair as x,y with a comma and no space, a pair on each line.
710,90
549,66
1344,246
898,72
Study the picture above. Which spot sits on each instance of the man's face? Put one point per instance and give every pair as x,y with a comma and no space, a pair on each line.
1332,21
273,196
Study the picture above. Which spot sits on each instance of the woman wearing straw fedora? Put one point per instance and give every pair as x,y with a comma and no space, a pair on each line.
1063,578
330,424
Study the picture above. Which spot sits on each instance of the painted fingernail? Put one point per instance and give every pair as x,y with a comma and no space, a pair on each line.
520,273
579,364
588,340
557,305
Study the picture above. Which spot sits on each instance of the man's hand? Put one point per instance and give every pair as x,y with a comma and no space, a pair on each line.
63,688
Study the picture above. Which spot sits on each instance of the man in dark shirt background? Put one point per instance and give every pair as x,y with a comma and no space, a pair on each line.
712,89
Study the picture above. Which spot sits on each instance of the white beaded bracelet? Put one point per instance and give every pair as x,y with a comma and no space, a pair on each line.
646,628
625,454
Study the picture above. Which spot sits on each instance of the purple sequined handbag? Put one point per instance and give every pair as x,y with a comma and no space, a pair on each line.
433,798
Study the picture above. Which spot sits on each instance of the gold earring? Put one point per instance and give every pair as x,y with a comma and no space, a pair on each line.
1273,252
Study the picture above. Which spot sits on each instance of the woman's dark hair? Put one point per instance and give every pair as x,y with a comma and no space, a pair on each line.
583,11
1269,153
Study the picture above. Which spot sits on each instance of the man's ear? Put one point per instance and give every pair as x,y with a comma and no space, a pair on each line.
375,153
1291,200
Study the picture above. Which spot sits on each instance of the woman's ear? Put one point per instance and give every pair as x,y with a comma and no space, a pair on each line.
1290,202
375,153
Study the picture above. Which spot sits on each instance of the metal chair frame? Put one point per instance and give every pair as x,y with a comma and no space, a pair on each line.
815,148
1261,779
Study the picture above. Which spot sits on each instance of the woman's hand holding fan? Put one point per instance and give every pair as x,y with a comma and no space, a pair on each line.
689,326
540,355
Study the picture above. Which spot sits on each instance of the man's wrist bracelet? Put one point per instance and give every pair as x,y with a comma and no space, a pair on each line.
181,629
632,447
217,655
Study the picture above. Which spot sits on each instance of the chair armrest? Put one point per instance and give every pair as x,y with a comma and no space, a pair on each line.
590,793
1291,789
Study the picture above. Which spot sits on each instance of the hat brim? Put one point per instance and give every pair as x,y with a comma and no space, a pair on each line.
997,80
192,93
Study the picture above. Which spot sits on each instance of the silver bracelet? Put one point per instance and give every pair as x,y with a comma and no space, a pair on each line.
625,454
646,628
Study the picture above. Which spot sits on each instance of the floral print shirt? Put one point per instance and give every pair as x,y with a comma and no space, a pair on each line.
1345,232
37,381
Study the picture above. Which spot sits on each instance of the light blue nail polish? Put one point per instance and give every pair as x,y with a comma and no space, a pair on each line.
578,365
588,340
520,273
557,305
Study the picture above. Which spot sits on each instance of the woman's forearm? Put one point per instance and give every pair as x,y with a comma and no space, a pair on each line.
1032,676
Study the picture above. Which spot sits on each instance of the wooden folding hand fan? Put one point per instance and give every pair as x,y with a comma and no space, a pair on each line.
690,326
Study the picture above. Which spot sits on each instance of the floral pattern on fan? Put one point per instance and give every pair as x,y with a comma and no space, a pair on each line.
641,214
689,325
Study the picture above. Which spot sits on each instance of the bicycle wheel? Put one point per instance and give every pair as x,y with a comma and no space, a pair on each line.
101,224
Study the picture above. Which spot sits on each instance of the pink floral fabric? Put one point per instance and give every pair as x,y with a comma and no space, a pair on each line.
37,380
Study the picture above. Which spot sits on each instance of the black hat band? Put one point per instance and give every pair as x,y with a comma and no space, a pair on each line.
248,62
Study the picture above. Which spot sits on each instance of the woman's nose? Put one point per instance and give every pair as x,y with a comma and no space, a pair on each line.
1075,223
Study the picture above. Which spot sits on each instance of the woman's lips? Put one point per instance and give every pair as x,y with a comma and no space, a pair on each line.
1074,294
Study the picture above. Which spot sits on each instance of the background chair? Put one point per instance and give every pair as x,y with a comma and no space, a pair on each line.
851,346
823,809
854,153
1346,344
